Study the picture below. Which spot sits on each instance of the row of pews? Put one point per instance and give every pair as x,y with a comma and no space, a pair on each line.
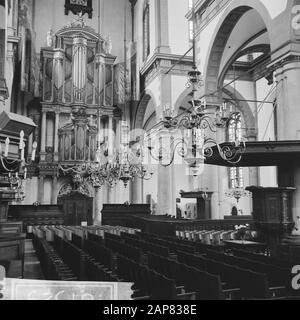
161,267
215,237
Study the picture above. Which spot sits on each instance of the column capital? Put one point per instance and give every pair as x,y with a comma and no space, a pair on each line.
57,111
279,64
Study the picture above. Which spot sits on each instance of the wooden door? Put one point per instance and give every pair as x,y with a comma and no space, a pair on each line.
78,208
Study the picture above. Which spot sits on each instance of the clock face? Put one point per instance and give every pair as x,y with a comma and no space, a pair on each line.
79,2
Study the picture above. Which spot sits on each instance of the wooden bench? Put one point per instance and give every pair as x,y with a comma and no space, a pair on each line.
12,248
149,283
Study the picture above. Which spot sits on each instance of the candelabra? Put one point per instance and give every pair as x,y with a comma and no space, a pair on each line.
15,171
124,166
198,120
237,193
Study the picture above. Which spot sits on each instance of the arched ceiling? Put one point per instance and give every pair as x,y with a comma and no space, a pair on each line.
248,29
149,112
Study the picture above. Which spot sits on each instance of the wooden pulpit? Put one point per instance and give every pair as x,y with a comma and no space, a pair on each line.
272,212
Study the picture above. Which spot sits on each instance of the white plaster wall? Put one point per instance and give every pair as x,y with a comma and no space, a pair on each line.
178,26
2,17
31,188
178,87
275,8
266,130
47,191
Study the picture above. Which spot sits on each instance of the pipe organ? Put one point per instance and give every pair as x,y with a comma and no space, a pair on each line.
78,88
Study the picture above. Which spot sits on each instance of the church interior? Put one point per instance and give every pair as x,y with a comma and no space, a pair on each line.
152,142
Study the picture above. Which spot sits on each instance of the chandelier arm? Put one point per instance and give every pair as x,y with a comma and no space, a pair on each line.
225,152
206,120
229,159
5,168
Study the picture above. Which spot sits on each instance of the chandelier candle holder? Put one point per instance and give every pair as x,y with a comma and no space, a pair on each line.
237,193
15,171
199,120
109,166
195,80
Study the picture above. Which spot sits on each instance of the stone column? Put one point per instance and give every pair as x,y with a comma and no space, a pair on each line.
56,127
253,171
222,178
162,26
43,136
166,200
164,196
210,178
136,191
54,190
41,190
98,206
288,124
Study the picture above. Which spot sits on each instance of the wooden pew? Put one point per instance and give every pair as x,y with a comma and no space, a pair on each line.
52,264
101,254
205,285
262,258
133,252
251,284
149,283
277,276
149,246
12,249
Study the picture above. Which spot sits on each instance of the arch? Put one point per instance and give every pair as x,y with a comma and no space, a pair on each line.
222,33
152,116
244,108
182,99
142,107
265,48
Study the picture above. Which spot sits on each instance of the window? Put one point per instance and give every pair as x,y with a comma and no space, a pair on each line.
236,176
146,31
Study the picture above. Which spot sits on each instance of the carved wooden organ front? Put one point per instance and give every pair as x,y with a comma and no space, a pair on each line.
78,86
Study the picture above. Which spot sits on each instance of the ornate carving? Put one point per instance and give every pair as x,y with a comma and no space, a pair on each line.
79,6
107,45
50,38
67,189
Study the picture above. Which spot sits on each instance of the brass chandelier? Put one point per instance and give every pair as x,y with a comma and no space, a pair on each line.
200,122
